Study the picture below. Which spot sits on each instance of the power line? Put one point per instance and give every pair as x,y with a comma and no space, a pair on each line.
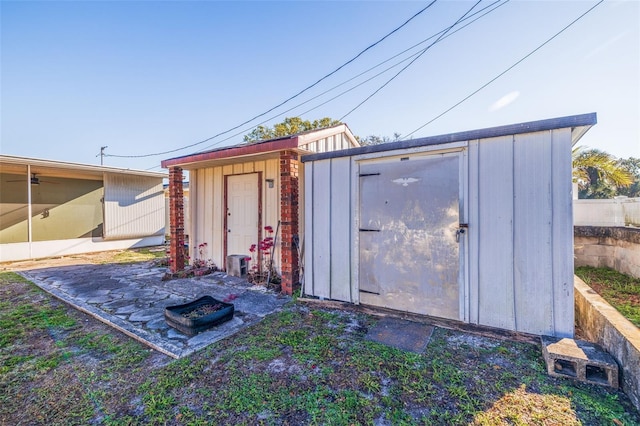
291,97
410,63
502,3
505,71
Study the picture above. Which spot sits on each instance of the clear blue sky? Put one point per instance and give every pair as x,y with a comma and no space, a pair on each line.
150,76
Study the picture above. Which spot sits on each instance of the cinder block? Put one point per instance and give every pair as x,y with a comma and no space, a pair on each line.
237,265
579,360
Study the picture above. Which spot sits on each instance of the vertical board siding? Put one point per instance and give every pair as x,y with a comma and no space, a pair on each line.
532,250
340,229
217,225
561,169
474,231
133,206
322,228
516,193
494,250
207,206
192,230
308,229
463,212
208,215
301,223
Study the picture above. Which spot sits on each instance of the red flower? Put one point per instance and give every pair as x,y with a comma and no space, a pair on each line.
268,229
253,248
247,259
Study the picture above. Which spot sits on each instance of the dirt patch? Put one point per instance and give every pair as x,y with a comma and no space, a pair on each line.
112,256
299,366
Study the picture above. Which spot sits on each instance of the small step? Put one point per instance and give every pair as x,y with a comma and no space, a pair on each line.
580,360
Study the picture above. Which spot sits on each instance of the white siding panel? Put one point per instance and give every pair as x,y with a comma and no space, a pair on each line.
193,208
207,202
208,215
495,232
217,225
301,222
308,228
340,229
561,168
533,261
322,228
133,206
473,236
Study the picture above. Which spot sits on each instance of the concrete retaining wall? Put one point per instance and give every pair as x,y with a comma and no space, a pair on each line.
604,325
612,247
620,211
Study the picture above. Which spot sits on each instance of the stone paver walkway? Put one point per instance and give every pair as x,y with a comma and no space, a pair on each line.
132,298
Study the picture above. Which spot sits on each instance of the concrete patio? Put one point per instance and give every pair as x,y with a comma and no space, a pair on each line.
132,298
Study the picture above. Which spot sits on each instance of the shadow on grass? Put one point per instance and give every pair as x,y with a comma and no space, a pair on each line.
299,366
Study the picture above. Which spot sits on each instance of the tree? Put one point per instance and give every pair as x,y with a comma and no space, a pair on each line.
632,165
377,140
598,173
290,126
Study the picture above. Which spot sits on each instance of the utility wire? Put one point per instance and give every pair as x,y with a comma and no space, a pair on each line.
505,71
291,97
502,3
410,63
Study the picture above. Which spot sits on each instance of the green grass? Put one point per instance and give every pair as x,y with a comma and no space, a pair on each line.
299,366
43,350
620,290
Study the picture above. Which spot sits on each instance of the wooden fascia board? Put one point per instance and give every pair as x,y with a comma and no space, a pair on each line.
233,152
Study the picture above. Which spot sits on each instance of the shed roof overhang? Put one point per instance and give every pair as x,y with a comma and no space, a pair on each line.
253,150
579,125
63,169
232,154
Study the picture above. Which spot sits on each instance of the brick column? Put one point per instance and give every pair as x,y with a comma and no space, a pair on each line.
289,220
176,220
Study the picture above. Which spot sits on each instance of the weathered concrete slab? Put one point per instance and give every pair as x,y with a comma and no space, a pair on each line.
406,335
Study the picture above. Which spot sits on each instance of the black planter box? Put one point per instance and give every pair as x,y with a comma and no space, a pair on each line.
193,326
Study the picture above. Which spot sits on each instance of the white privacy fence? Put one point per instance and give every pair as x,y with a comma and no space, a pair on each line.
620,211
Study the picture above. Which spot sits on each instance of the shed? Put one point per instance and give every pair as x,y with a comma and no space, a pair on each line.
473,226
53,208
237,191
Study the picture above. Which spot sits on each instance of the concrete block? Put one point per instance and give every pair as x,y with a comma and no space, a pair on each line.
579,360
237,265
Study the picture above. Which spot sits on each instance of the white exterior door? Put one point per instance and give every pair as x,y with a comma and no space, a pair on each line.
409,216
242,213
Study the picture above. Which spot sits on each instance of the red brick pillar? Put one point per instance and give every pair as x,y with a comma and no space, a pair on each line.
289,220
176,220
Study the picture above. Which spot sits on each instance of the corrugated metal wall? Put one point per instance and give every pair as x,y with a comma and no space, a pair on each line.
133,206
521,233
206,197
517,259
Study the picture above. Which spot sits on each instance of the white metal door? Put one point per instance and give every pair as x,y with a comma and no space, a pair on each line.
242,213
409,216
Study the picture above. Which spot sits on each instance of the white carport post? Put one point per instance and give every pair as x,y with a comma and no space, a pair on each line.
29,210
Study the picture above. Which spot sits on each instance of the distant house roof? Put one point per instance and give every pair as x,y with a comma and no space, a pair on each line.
15,164
579,125
299,142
